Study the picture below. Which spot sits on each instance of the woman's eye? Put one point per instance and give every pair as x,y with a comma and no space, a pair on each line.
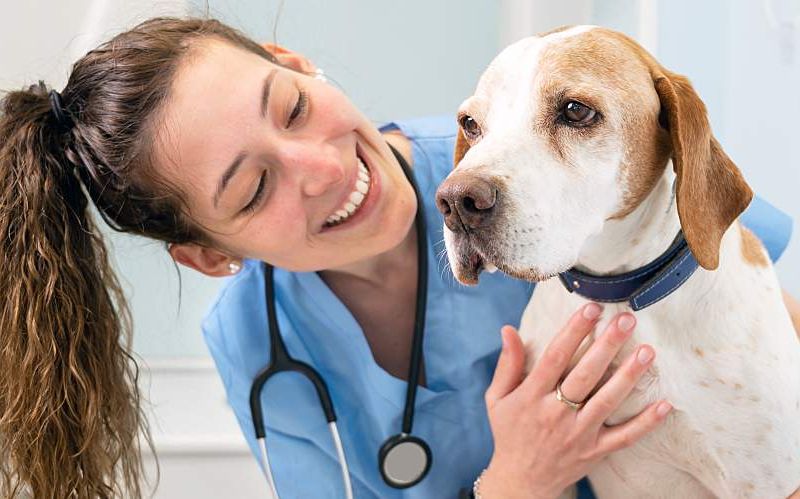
299,107
253,204
470,127
577,114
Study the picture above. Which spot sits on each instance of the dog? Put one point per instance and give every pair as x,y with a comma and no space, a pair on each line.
579,152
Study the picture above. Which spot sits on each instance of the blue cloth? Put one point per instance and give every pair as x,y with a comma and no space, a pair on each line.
461,346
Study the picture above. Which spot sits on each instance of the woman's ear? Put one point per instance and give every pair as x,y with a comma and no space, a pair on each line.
290,59
208,261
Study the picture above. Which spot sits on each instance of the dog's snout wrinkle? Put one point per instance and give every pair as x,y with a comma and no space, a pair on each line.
467,202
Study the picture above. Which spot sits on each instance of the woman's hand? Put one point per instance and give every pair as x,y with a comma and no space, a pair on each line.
541,444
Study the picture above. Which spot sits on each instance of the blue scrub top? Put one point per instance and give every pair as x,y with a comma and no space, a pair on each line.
460,351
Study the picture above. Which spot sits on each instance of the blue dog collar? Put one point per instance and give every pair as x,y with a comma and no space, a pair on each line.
641,287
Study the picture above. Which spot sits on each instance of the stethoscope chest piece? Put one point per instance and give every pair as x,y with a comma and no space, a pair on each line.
404,460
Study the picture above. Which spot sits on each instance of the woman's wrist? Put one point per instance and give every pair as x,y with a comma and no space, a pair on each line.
496,483
495,486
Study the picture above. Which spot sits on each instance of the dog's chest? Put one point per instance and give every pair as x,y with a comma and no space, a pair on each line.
733,418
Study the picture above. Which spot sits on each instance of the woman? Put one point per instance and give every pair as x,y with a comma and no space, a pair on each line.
187,132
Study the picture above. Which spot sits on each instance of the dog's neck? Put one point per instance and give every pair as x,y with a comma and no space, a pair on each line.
638,238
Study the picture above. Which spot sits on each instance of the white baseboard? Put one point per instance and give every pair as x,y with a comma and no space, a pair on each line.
201,450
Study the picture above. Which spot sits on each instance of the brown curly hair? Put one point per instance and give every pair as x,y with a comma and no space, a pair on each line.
71,422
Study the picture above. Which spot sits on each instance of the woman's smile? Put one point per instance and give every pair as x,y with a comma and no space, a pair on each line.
353,201
359,199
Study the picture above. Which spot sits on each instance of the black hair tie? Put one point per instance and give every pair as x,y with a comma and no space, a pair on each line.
62,118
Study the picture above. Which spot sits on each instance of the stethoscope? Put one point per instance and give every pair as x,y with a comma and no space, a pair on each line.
403,459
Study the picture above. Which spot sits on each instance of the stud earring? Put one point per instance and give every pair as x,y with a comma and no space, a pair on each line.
234,267
319,74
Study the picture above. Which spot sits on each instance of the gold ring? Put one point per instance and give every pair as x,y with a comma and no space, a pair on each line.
561,398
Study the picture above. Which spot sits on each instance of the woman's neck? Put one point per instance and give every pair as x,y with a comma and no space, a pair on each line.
377,270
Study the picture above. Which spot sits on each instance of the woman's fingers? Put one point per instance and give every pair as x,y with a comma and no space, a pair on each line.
614,438
549,369
510,365
600,405
583,378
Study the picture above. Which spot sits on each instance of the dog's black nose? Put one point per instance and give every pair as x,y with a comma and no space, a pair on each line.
467,201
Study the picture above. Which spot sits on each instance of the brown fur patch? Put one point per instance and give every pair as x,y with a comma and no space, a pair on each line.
711,191
556,30
462,146
752,250
794,311
609,74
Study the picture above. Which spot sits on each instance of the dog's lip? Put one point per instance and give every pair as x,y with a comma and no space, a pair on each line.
470,263
476,263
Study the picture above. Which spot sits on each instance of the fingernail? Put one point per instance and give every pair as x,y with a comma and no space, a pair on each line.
503,340
644,355
663,408
626,322
592,311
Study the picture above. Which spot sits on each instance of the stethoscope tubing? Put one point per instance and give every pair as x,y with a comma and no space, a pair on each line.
337,442
281,361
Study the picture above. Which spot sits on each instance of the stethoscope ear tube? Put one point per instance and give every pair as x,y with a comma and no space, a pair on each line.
280,361
404,460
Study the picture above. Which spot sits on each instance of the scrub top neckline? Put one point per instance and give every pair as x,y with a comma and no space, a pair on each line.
391,388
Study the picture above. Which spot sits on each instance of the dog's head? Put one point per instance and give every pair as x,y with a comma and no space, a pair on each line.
566,131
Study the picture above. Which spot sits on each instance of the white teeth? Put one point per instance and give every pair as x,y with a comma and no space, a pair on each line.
488,267
356,197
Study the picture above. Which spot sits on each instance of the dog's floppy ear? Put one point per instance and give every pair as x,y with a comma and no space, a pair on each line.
710,188
462,146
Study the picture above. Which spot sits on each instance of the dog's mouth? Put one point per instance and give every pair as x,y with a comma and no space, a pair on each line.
472,258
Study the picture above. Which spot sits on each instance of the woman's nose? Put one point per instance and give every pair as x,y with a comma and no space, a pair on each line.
317,171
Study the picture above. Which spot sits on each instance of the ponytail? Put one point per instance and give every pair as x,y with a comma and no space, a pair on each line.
70,415
71,422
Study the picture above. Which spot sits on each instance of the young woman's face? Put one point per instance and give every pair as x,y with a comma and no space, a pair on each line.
270,161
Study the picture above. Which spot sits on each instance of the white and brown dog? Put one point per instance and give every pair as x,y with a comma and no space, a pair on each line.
579,150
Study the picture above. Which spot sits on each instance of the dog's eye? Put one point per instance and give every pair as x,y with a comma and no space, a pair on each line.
470,126
578,114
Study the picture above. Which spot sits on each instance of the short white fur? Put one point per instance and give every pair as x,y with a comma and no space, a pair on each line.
728,358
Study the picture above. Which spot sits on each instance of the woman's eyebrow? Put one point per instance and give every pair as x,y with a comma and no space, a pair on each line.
226,177
234,167
265,92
